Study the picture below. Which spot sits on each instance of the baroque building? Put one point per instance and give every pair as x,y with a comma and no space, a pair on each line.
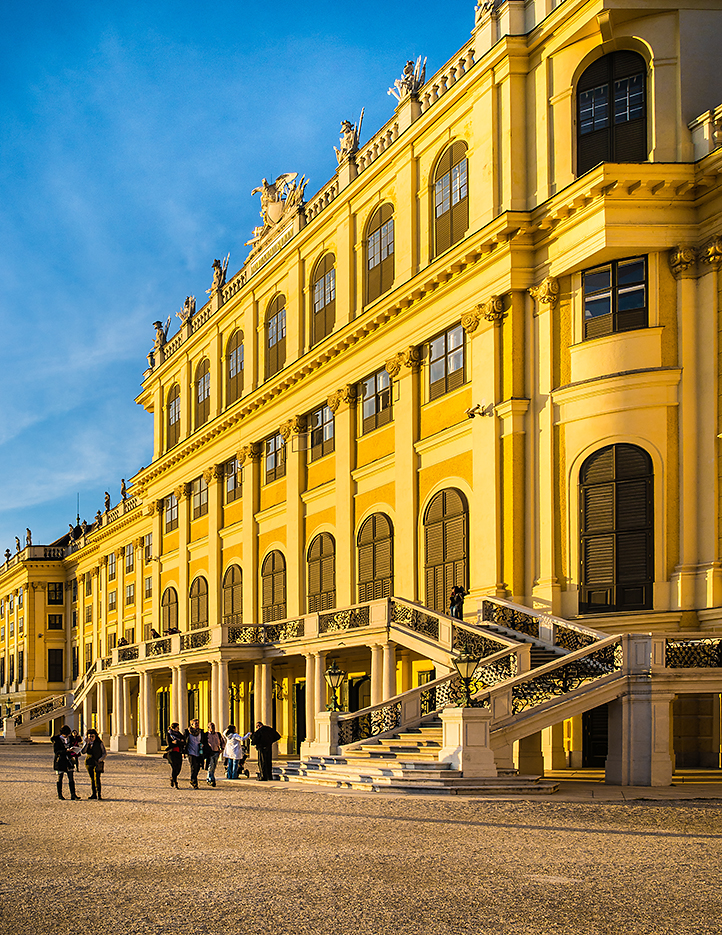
485,354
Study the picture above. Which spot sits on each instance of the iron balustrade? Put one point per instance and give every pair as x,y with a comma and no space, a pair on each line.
245,634
467,641
511,618
195,640
344,619
572,639
280,632
415,620
157,647
128,653
693,653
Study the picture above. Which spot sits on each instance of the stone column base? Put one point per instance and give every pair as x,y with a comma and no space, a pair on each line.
466,741
119,743
148,744
326,742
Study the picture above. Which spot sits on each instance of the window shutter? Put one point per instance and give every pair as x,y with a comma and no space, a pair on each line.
374,283
443,232
599,467
598,509
599,561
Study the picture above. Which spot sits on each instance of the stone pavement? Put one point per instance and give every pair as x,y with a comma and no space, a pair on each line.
250,857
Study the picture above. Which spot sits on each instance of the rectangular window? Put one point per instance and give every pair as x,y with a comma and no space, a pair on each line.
74,588
20,597
322,432
11,604
148,588
381,244
199,490
111,567
446,362
21,665
112,600
55,665
21,624
74,619
129,636
629,99
112,640
171,513
88,614
594,109
130,594
55,592
234,489
275,454
2,607
129,558
2,670
88,656
615,297
55,621
88,585
148,547
376,401
11,672
12,628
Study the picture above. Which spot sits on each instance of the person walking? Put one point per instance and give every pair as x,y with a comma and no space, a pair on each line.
95,754
234,751
174,752
195,744
214,748
63,762
263,739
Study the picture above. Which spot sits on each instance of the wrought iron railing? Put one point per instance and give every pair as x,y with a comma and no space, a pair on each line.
157,647
693,653
571,638
195,640
280,632
128,653
414,619
510,617
475,644
347,619
245,634
41,709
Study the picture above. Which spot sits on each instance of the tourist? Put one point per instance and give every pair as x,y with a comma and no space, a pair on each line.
75,745
263,739
63,762
234,752
456,602
195,746
174,752
95,754
214,748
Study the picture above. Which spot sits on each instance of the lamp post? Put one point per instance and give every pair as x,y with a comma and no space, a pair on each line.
465,664
334,678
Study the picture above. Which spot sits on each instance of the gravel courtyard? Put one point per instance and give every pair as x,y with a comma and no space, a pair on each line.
250,857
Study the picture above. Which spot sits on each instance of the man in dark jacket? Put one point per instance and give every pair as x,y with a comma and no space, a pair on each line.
263,739
63,762
196,743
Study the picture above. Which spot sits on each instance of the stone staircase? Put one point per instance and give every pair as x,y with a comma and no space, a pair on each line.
539,653
406,763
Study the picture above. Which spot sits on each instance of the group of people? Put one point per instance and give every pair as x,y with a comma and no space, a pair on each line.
68,747
203,749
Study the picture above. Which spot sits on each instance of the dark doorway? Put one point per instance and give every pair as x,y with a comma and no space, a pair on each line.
595,738
359,693
163,701
299,702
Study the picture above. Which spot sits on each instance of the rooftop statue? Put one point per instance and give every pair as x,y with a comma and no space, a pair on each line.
219,277
161,333
482,8
188,310
277,197
28,537
413,77
350,134
17,544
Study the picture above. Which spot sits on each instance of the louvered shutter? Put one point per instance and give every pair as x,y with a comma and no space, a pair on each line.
598,508
234,388
446,547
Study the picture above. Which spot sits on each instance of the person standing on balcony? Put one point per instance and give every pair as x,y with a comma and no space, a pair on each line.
456,602
263,739
214,747
63,762
174,752
95,754
195,742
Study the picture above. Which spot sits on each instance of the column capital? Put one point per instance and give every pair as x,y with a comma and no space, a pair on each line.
296,425
250,452
410,357
346,394
683,262
547,292
711,254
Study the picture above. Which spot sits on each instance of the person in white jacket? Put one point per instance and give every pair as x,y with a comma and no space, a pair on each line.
235,752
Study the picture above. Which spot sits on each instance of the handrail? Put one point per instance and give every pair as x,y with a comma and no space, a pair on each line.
537,624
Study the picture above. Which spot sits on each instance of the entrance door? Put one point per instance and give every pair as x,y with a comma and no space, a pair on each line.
163,705
299,701
594,738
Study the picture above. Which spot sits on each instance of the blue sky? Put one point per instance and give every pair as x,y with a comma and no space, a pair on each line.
133,133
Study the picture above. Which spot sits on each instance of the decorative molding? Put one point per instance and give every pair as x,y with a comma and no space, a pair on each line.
39,585
470,320
712,253
81,577
103,561
182,491
547,293
683,261
393,365
293,426
94,572
209,475
219,471
346,394
120,553
411,357
250,452
138,543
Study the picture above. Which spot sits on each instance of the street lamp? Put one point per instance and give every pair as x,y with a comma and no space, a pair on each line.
465,664
334,678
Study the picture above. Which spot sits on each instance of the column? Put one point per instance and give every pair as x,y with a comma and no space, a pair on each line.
343,405
119,738
183,696
101,706
182,493
389,671
267,693
295,544
531,758
576,754
406,671
310,700
222,700
87,708
147,739
214,695
377,685
249,456
214,478
319,682
553,746
127,721
640,752
257,693
174,696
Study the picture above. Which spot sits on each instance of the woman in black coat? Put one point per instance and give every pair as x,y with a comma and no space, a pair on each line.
63,762
95,754
174,752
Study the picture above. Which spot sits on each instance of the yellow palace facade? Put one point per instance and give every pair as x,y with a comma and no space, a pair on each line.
485,354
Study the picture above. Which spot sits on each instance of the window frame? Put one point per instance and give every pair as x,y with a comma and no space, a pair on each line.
56,589
380,273
112,567
274,447
232,594
382,414
636,319
233,480
449,380
323,298
321,570
451,223
276,352
202,390
198,604
173,416
170,513
321,438
235,358
274,584
199,497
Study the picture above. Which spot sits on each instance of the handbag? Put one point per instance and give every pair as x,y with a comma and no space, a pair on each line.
100,767
165,756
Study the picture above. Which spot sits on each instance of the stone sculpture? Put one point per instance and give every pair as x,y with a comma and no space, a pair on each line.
28,537
189,307
349,141
413,77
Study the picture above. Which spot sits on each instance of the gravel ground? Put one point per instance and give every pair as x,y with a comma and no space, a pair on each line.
250,857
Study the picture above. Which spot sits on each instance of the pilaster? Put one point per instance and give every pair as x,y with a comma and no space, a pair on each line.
182,493
343,405
250,457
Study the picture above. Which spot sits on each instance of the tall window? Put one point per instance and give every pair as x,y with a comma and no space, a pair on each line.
322,432
129,557
233,475
446,362
380,252
55,666
55,593
112,601
199,494
276,336
173,407
446,546
169,610
233,596
199,604
615,297
322,573
148,547
273,586
375,558
616,521
111,567
323,288
612,111
203,393
234,368
130,594
171,513
376,401
275,457
55,622
451,197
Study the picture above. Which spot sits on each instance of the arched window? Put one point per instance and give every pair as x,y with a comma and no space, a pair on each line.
273,586
375,558
233,596
173,419
616,523
234,367
169,610
322,573
323,289
612,111
380,252
275,335
203,393
451,197
199,604
446,547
